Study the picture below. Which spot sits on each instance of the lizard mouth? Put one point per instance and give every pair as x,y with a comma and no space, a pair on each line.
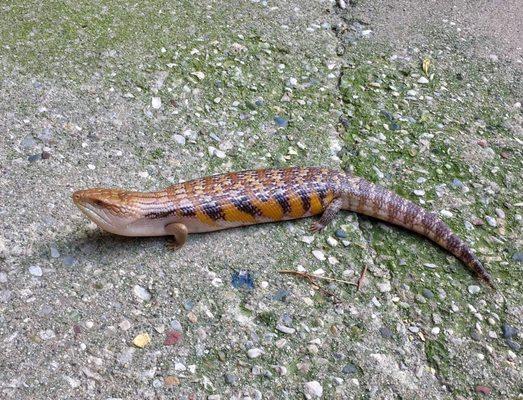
96,215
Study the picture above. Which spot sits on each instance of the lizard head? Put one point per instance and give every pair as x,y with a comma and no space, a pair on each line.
110,209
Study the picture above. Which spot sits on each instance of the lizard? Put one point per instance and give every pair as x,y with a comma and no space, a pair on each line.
259,196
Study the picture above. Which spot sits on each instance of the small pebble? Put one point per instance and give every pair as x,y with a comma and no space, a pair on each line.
156,102
474,289
332,242
179,139
508,331
54,252
124,325
513,345
254,353
419,192
285,329
313,390
35,270
192,317
386,332
384,287
141,292
176,325
281,122
340,233
414,329
142,340
427,293
446,213
435,331
319,255
457,183
173,337
491,221
307,239
69,261
492,335
423,80
231,379
349,369
281,295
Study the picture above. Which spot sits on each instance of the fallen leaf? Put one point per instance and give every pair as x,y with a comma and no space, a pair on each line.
172,338
483,390
426,66
142,340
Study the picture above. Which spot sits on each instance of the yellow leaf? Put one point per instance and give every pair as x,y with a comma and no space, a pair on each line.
426,66
142,340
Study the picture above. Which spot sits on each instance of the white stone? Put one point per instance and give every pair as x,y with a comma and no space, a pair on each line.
35,270
47,334
319,255
435,331
313,390
285,329
423,80
124,325
473,289
332,242
419,192
199,74
307,239
254,353
491,221
446,213
141,292
156,102
384,287
179,367
333,260
179,139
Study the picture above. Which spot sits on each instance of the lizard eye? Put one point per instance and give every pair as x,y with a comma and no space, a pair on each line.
99,202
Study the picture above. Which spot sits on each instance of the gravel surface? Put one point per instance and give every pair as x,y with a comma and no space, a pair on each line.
423,98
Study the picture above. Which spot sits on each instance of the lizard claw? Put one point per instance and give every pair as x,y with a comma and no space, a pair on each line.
173,245
316,227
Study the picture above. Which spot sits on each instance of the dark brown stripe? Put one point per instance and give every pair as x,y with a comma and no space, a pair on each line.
187,211
305,199
322,193
213,210
283,201
262,196
158,214
243,204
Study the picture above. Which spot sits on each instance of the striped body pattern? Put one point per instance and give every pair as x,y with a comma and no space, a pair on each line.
259,196
250,197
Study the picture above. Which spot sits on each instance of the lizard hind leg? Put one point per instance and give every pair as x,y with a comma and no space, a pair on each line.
328,215
179,232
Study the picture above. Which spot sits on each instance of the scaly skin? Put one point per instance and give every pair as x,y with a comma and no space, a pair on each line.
265,195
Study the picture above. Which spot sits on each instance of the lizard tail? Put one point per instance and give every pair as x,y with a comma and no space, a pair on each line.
378,202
